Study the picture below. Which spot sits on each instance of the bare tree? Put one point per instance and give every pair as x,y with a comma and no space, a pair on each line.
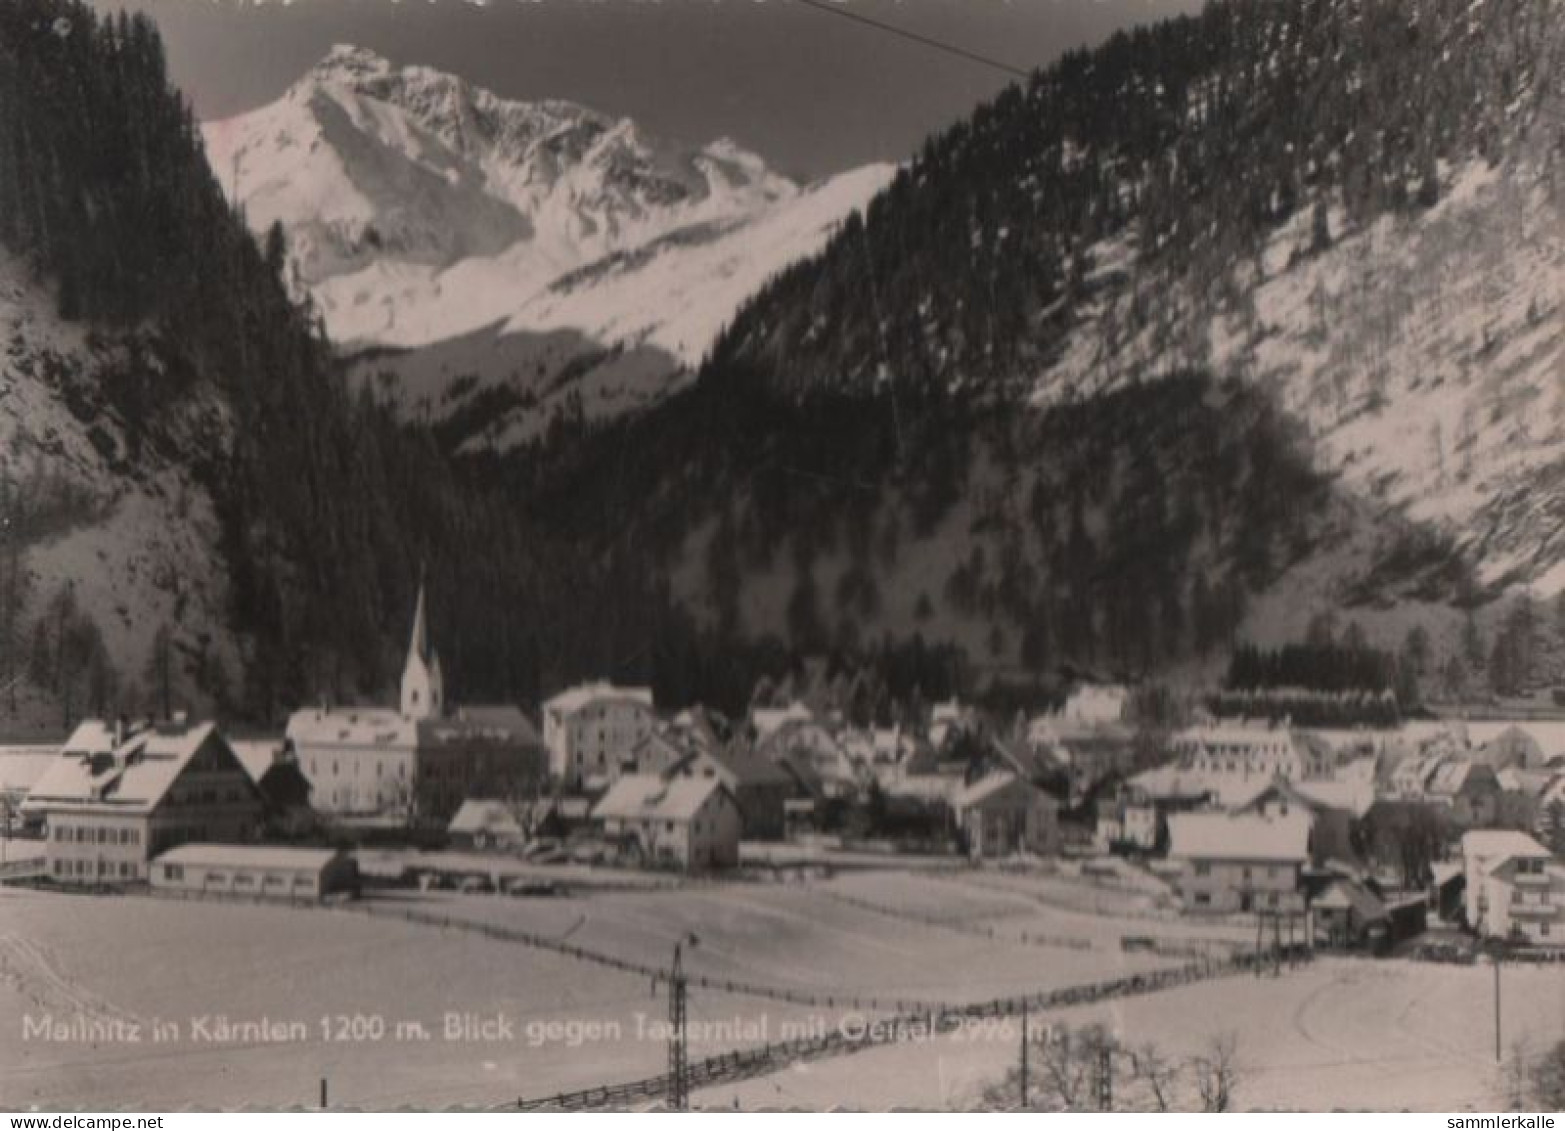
1159,1074
1548,1079
1065,1069
1217,1073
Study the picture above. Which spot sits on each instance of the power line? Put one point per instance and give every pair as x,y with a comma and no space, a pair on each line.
927,41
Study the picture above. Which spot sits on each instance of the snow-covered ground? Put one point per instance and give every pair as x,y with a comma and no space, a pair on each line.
175,962
1342,1034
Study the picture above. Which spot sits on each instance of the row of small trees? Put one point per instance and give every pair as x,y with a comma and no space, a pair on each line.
1091,1069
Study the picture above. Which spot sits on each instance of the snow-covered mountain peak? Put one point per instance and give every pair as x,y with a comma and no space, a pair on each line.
346,62
420,208
364,161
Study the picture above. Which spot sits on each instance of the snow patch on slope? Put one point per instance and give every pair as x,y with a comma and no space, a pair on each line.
141,556
1424,353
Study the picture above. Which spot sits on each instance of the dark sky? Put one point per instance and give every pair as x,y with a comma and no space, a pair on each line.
812,92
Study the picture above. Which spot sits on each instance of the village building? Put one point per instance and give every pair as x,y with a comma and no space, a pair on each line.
949,719
766,721
1515,888
1240,862
819,764
1520,798
256,872
1549,824
1244,749
1003,814
416,763
1512,748
1095,704
1334,815
488,823
1410,777
761,787
1470,788
592,731
115,797
1349,916
1135,816
689,822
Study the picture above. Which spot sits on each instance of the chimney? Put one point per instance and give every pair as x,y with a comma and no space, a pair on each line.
119,732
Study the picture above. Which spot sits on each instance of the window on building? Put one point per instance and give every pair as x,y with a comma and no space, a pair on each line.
1202,899
1202,868
173,872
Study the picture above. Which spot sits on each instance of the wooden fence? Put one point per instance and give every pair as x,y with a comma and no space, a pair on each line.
765,1059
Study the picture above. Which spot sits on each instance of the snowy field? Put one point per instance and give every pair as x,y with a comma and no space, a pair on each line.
1341,1034
80,976
118,964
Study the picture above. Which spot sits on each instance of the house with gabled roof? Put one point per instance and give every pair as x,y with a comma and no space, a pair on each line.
1240,862
1470,788
761,787
689,822
115,797
1515,888
1003,813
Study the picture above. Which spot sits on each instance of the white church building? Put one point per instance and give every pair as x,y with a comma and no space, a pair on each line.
417,762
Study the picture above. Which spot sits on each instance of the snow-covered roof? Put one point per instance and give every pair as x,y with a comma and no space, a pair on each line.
131,776
1452,776
1354,796
383,727
992,786
386,728
477,816
573,699
22,766
768,720
1246,836
1231,790
249,856
1495,846
1345,895
651,797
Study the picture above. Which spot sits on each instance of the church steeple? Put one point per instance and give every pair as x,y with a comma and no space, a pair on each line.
423,690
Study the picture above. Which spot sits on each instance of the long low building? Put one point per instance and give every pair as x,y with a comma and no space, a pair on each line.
263,872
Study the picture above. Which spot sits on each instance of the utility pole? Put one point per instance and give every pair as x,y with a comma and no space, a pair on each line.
1024,1054
1497,1007
1105,1075
678,1059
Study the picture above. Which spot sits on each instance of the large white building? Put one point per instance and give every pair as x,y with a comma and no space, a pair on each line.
1515,887
592,732
1243,749
419,761
1240,863
114,798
